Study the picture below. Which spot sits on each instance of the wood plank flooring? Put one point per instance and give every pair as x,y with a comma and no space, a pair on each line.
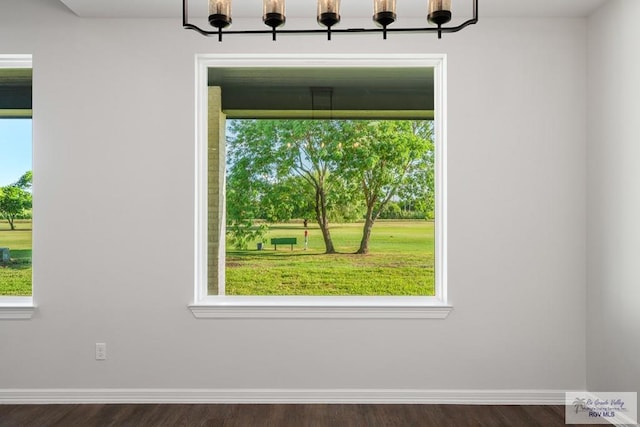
279,415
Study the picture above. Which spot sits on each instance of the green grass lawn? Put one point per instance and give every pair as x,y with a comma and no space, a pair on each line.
15,276
400,262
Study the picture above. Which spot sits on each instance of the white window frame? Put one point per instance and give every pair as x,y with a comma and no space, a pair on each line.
17,307
402,307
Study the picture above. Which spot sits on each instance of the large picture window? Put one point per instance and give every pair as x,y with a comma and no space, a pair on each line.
324,182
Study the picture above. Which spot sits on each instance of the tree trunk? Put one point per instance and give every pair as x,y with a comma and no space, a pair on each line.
366,235
328,243
11,224
323,221
370,218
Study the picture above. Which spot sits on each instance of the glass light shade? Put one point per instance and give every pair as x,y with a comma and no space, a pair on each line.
220,13
384,12
328,12
439,11
273,12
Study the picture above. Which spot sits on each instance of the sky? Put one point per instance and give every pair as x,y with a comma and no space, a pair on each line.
15,149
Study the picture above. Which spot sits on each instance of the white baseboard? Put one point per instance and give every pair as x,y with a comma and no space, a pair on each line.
337,396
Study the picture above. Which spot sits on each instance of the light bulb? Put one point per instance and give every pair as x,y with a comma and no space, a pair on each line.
328,12
384,12
220,13
439,11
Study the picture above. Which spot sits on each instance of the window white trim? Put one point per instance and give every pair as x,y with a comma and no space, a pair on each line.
311,307
208,306
16,61
16,307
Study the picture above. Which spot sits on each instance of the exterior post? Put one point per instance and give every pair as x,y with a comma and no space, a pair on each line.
215,193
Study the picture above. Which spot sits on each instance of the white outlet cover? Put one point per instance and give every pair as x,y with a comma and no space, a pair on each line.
101,351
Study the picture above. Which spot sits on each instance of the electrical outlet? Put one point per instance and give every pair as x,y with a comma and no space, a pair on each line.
101,351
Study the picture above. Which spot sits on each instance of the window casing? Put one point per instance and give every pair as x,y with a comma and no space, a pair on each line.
209,234
16,307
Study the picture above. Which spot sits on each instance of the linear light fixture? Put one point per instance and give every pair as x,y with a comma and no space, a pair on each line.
328,16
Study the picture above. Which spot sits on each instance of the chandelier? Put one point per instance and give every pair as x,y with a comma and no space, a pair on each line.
328,16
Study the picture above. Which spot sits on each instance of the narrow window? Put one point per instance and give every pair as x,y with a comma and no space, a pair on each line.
15,177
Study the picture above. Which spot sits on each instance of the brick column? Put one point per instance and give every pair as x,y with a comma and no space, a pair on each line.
215,192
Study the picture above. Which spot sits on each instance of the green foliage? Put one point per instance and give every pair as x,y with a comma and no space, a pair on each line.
348,213
288,166
391,211
241,233
25,181
391,159
26,214
242,208
14,200
394,210
286,199
330,170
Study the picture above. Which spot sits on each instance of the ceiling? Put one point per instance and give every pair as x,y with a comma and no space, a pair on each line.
15,77
15,92
356,8
353,92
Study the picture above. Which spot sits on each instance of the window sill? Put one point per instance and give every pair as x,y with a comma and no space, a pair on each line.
320,308
16,308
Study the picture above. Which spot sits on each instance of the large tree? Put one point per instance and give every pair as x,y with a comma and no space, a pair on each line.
341,169
13,202
267,157
388,158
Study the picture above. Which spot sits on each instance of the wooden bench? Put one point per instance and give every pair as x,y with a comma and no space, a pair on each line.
284,241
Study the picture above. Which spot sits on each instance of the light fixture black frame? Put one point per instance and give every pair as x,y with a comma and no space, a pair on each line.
219,32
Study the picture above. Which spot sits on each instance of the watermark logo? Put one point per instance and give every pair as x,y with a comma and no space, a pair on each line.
601,408
580,404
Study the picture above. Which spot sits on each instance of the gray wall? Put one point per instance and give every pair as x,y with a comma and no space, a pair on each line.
113,240
613,323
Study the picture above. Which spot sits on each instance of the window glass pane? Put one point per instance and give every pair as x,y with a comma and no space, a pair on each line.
15,207
330,207
321,182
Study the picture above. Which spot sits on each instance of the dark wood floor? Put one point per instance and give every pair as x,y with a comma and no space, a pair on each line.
279,415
